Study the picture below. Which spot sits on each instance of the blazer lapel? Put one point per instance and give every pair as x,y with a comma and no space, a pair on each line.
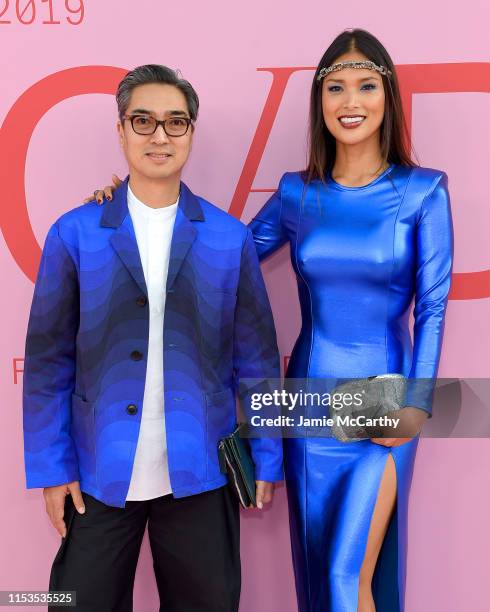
184,232
116,215
123,240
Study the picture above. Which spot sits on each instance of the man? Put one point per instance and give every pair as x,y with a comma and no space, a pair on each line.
146,313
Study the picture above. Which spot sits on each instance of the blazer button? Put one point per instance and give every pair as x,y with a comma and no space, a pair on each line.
136,356
142,301
132,409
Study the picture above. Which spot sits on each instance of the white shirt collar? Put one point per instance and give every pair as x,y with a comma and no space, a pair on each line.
138,207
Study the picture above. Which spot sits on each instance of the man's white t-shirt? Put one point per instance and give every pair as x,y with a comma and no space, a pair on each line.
153,228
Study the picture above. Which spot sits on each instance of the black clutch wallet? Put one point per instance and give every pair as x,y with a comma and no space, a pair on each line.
236,461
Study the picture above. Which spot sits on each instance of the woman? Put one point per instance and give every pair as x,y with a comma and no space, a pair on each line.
369,230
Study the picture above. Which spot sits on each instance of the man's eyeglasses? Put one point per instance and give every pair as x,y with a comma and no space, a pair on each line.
146,125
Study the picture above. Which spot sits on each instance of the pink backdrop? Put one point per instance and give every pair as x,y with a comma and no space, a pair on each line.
219,47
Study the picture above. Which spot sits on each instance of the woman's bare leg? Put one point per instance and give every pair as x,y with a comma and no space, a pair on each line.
383,511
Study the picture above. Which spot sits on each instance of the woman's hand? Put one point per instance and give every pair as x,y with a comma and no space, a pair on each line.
100,194
410,425
390,441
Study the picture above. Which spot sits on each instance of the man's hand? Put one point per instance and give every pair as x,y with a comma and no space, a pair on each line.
264,493
55,503
100,194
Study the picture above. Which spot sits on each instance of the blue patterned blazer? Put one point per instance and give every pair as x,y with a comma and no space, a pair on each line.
87,342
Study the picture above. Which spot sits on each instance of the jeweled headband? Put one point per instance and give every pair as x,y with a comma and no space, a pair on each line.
353,64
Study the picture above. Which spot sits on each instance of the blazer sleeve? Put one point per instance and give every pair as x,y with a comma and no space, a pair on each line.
434,258
267,227
256,355
49,369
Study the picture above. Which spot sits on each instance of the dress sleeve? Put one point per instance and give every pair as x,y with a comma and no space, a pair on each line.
267,228
434,257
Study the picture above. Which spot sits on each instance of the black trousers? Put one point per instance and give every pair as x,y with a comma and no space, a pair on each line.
194,543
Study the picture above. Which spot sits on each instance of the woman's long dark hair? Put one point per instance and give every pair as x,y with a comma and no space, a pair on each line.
394,135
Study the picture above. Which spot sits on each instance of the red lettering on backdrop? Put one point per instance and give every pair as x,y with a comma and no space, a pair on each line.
280,78
36,101
15,136
18,368
449,78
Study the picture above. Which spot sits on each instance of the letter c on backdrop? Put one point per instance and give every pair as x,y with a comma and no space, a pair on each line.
15,136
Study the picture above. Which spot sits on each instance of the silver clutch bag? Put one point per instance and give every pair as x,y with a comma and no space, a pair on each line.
380,395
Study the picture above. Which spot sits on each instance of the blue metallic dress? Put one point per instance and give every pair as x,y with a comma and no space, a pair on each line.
361,254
